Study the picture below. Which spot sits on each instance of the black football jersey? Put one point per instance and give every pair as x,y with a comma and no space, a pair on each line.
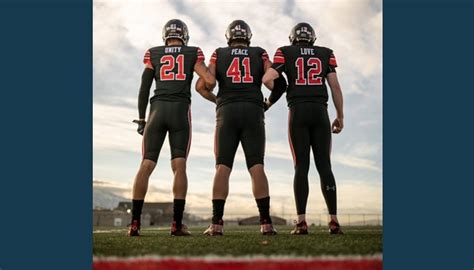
239,72
306,68
174,70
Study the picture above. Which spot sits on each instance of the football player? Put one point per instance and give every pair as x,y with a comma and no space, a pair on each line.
172,67
238,69
307,68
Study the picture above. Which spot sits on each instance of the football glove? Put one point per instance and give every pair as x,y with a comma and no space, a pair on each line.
265,105
141,126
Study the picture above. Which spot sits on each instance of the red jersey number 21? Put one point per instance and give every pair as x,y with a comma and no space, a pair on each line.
166,70
234,71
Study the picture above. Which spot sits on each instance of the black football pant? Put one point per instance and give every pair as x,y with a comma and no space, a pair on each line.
309,127
240,122
169,117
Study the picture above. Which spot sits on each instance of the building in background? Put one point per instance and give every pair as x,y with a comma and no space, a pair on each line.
153,214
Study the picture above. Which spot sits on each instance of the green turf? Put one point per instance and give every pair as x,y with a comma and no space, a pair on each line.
239,240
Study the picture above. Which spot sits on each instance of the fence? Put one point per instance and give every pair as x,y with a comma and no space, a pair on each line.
318,219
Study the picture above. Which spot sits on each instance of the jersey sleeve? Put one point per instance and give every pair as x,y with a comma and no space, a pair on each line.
213,58
279,61
265,57
147,58
332,63
200,56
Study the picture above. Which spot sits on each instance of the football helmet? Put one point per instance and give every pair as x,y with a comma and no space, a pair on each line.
238,29
175,29
302,32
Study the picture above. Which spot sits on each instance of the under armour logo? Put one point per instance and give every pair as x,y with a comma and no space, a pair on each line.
329,188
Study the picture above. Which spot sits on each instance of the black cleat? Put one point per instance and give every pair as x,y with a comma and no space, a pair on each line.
134,229
215,229
267,229
183,231
335,228
300,228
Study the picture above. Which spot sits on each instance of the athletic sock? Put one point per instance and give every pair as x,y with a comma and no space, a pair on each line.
137,206
263,205
178,209
217,210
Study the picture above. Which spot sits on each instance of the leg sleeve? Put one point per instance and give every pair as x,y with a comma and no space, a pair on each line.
321,145
298,136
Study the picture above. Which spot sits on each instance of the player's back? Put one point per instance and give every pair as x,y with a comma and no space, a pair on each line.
174,70
239,72
306,67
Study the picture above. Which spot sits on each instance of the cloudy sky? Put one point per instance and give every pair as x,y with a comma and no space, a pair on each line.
124,30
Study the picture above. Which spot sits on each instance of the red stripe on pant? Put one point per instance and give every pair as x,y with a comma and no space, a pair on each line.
190,121
143,146
215,143
330,144
289,138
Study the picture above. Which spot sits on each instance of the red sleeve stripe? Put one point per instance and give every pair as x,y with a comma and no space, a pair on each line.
147,58
213,58
278,60
200,55
332,61
279,57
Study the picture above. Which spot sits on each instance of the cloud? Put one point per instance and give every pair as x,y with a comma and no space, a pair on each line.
355,162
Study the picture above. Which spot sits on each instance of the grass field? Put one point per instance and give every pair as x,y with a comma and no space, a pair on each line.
238,241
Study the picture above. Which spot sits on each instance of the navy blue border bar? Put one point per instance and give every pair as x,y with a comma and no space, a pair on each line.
46,137
428,138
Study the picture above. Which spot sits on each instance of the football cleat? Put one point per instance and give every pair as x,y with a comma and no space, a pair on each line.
335,228
134,229
267,229
215,229
300,228
183,231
